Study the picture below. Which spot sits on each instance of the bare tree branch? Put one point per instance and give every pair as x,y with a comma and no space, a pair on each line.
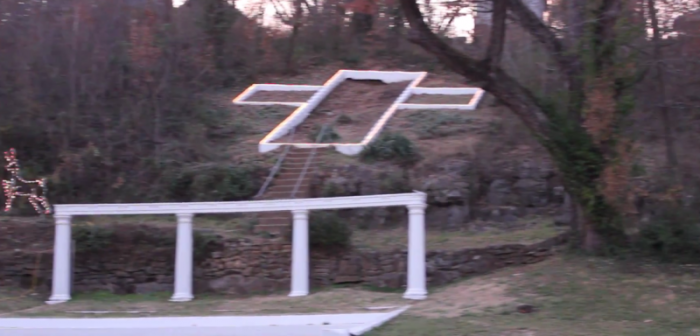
496,81
566,60
604,31
494,52
536,27
669,136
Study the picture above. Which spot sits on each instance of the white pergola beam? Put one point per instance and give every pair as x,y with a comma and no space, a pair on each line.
321,203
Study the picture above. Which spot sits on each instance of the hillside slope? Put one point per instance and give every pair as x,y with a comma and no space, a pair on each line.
475,165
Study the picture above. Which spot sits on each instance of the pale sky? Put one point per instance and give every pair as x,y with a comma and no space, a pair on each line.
461,25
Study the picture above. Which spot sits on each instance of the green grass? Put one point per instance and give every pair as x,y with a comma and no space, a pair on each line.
104,296
12,300
573,296
538,229
578,296
430,124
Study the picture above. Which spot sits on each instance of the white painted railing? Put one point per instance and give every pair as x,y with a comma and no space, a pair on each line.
415,202
305,108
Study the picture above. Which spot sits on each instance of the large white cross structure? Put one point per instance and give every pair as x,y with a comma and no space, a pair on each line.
303,109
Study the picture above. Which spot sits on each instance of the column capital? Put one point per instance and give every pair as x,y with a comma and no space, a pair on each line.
184,217
416,207
300,213
62,219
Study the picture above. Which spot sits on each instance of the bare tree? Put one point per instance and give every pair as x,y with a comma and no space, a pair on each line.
669,137
579,133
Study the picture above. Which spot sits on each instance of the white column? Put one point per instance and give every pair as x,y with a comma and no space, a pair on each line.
300,253
183,259
416,283
61,280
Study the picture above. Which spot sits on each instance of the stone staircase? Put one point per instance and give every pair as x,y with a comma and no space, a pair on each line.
283,187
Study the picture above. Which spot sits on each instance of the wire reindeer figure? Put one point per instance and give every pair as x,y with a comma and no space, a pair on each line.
34,190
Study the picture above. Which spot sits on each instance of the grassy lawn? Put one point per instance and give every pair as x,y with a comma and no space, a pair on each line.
572,296
528,231
103,304
13,300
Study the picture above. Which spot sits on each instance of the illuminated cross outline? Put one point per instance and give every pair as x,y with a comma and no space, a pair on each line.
322,91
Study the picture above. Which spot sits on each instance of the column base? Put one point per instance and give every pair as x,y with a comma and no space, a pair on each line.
181,298
415,294
298,293
56,299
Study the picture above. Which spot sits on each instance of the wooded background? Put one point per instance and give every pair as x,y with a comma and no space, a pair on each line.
106,97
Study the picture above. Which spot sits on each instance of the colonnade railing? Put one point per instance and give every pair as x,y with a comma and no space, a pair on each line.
185,212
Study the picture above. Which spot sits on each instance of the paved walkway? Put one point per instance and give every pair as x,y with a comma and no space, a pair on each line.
283,325
193,331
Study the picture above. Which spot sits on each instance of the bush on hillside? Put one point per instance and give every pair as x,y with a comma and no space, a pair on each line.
344,119
392,147
673,235
329,135
215,182
395,182
329,231
91,238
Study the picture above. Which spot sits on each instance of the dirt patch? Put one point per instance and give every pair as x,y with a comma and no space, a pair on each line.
473,296
339,300
443,133
243,126
443,80
282,96
361,102
439,99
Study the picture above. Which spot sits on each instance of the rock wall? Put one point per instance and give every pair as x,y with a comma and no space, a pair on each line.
241,266
458,191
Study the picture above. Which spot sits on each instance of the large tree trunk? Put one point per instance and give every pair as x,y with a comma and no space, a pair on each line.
296,25
580,149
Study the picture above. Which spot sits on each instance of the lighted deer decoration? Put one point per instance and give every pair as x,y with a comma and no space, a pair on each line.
34,190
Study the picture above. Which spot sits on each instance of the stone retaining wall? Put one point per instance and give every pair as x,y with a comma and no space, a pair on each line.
240,266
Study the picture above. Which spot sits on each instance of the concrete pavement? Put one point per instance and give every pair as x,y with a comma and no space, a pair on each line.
283,325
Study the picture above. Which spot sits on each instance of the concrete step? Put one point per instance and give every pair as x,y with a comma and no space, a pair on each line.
300,153
293,170
282,186
291,182
284,194
299,163
286,186
286,179
287,189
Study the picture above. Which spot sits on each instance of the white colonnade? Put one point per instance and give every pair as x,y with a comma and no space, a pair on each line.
300,274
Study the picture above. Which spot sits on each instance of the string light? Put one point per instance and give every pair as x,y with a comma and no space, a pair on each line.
16,185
